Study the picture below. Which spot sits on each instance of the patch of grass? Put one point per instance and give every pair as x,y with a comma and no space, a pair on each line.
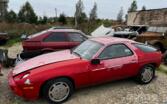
165,72
163,69
10,42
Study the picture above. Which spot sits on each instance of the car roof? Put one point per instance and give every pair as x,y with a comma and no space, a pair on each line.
56,30
109,40
64,30
60,27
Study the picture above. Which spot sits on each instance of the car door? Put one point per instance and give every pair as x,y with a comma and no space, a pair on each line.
117,61
56,40
75,39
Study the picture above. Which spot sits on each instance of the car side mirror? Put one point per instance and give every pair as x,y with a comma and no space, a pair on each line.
95,61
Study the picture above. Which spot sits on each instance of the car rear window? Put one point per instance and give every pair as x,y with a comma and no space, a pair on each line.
145,48
75,37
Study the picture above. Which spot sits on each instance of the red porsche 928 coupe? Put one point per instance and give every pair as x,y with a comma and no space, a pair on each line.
98,60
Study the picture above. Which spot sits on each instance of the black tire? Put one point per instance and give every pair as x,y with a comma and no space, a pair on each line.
159,46
47,51
140,74
165,58
49,86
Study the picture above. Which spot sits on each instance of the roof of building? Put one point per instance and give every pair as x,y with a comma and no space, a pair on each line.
148,10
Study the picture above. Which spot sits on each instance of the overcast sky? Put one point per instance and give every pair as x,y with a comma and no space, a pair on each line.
106,8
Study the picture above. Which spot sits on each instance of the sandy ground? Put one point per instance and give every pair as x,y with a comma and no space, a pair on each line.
118,92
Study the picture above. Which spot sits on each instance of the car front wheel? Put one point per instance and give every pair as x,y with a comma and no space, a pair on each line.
146,74
58,90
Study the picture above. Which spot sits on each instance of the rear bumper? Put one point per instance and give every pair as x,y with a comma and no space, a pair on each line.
26,91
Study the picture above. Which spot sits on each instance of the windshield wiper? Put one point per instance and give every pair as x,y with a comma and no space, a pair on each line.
71,51
77,54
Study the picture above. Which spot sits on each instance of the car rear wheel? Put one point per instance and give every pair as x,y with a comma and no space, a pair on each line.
165,58
159,47
58,90
146,74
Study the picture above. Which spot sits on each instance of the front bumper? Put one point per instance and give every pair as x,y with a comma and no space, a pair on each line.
13,85
26,92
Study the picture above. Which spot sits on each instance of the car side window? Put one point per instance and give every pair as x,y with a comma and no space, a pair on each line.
145,48
56,37
115,51
75,37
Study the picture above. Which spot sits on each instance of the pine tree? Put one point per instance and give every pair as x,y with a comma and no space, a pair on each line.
62,19
27,14
43,20
144,8
133,7
11,17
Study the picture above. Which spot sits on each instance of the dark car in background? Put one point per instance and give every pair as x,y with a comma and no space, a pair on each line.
155,36
3,38
130,32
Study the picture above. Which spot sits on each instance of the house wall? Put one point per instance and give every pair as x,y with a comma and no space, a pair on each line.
155,17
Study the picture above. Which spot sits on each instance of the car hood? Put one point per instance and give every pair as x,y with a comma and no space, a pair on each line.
44,60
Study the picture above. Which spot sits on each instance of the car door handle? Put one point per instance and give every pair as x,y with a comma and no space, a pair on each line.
115,67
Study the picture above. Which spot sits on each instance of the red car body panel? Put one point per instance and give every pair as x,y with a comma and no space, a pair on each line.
80,71
37,43
44,60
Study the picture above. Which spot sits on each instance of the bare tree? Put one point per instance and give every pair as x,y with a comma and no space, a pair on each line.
93,13
78,12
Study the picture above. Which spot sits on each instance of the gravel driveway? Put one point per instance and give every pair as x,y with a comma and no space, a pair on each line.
118,92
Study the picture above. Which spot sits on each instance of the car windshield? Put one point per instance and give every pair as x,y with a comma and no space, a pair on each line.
87,49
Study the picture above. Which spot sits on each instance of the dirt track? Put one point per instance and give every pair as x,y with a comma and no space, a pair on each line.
118,92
